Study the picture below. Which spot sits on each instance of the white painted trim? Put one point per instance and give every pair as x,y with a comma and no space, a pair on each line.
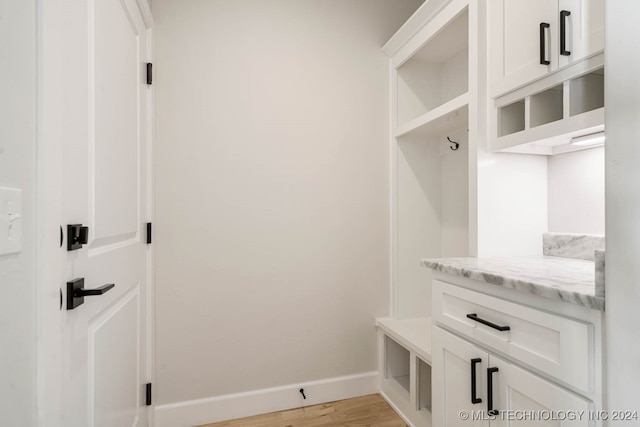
239,405
413,25
145,11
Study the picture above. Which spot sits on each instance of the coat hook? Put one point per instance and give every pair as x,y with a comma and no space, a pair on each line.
454,145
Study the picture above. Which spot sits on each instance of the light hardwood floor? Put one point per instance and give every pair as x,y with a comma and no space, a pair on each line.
370,411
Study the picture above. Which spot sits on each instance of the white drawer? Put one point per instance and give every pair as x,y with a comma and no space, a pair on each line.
558,346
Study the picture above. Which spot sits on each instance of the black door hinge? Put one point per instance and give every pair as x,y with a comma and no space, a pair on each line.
148,233
149,73
148,400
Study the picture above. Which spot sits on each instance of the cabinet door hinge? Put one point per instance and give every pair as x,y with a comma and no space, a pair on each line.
149,73
149,235
148,400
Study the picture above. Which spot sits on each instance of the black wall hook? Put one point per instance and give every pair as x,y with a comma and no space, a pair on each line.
454,145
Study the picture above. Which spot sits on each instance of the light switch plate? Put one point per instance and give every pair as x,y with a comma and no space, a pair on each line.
10,220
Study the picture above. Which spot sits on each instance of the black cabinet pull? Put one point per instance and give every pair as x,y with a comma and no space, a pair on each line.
492,412
543,44
475,317
474,398
564,14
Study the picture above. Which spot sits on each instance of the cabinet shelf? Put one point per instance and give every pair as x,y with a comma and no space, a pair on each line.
438,70
405,367
544,120
553,138
414,334
401,383
450,115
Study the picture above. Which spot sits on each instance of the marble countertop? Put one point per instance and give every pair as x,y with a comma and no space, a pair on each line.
563,279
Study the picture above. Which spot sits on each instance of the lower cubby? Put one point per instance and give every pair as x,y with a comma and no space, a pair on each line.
405,367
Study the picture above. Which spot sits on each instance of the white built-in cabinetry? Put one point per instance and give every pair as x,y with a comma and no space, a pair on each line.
433,98
452,197
495,354
531,39
546,73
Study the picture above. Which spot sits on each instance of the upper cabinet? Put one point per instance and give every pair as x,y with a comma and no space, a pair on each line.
545,74
582,24
530,39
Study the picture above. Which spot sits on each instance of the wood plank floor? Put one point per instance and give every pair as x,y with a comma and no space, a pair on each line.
366,411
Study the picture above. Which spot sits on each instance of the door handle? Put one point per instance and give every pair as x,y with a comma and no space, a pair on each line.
543,43
564,14
474,398
475,317
76,292
492,412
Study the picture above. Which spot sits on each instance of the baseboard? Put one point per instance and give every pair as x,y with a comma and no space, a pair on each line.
239,405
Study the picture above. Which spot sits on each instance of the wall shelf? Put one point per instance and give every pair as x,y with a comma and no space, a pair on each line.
444,118
543,120
437,71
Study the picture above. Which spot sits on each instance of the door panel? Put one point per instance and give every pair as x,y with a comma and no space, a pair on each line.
451,375
585,29
519,392
514,29
116,122
114,392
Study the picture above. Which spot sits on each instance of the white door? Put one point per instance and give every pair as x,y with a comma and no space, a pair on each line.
514,42
97,109
520,395
584,29
454,363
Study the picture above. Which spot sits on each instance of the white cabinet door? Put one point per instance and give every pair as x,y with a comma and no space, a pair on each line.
583,28
518,394
452,389
514,41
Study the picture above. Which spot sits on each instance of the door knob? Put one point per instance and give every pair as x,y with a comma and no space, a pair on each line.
76,292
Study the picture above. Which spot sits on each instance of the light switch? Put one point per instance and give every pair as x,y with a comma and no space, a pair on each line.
10,220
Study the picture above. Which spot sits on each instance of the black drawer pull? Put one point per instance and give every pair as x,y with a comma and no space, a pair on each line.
564,14
474,398
475,317
543,43
492,412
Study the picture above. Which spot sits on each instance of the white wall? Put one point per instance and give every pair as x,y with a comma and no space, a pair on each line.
576,192
272,165
512,203
17,170
622,99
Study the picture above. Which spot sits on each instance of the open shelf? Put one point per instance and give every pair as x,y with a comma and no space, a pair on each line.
414,334
544,122
437,72
397,366
405,366
511,118
587,92
431,212
444,118
546,106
